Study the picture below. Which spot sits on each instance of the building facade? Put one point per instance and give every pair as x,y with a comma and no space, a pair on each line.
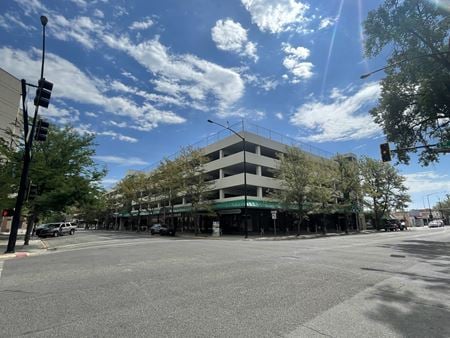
10,112
10,121
225,170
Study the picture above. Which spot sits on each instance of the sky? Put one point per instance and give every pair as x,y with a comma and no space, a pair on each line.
145,76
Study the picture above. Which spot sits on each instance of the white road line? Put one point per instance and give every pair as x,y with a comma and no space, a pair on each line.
1,268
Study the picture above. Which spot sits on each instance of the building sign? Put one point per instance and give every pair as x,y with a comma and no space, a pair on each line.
274,214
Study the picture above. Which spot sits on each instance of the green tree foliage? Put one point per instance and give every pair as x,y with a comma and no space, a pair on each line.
62,167
444,207
414,108
306,183
64,171
131,191
348,185
169,184
195,184
383,188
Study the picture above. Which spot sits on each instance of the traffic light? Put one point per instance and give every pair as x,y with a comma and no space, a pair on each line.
8,212
385,152
41,130
32,191
43,93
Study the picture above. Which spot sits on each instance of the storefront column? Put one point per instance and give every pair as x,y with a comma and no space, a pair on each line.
259,192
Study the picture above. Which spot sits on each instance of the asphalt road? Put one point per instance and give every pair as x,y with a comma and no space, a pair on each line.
106,284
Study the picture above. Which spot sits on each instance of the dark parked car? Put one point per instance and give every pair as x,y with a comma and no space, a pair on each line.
166,231
155,228
392,225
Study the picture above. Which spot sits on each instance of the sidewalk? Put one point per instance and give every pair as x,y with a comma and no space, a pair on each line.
36,246
251,237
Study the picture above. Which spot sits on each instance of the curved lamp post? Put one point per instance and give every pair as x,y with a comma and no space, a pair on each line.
364,76
245,174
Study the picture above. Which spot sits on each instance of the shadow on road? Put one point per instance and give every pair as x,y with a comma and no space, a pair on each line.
409,314
415,302
425,250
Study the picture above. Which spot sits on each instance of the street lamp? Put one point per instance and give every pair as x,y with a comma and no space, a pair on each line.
245,174
430,215
28,146
364,76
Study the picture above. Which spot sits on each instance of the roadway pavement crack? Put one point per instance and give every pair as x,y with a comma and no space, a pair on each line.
312,329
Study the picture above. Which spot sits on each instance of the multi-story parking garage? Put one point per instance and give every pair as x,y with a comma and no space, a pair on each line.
225,170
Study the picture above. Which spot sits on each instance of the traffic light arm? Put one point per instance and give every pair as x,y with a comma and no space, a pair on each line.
387,158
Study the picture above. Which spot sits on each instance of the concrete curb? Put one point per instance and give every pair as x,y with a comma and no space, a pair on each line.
39,248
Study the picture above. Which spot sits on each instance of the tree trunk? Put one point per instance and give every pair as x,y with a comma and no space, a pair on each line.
30,224
346,222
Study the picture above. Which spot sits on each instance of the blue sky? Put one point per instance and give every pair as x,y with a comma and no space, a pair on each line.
144,76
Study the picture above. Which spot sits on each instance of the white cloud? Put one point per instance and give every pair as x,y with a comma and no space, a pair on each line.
70,83
91,114
257,80
98,13
427,182
129,75
140,25
326,22
32,6
277,16
8,20
231,36
296,64
279,116
109,182
123,161
254,115
81,29
342,118
60,115
198,83
80,3
117,136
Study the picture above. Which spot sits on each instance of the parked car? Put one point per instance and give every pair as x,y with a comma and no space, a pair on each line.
55,229
391,225
436,223
155,228
164,230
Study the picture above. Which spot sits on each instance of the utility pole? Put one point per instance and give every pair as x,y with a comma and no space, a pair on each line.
41,95
245,172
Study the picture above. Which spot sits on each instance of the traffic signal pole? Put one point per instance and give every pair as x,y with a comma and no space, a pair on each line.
27,154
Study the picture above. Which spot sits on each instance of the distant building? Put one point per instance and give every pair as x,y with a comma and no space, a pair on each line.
225,170
10,121
10,112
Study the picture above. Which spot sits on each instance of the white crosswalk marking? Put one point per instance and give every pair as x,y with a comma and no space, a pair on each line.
1,268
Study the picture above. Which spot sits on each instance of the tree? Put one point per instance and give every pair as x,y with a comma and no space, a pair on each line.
383,187
169,178
62,168
131,190
302,187
195,184
348,185
414,108
10,167
323,189
444,208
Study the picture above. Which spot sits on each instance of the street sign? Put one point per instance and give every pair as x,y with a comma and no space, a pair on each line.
445,144
274,214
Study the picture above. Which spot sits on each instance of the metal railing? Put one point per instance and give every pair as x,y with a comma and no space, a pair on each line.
251,128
